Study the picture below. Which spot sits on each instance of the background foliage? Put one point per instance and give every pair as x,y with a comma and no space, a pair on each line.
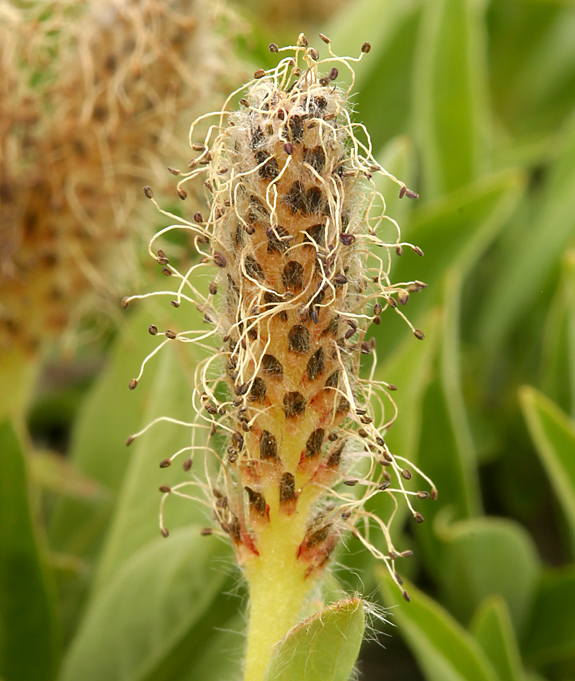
472,104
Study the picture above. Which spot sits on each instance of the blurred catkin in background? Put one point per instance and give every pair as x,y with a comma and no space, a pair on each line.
92,101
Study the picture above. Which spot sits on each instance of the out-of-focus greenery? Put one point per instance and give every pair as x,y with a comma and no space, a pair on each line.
471,103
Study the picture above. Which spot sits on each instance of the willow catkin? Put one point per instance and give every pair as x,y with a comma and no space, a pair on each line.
293,216
91,94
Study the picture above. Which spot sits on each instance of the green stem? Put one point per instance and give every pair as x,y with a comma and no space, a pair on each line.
278,589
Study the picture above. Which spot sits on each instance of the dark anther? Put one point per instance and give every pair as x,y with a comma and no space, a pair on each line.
187,464
260,73
152,329
165,463
166,272
288,148
346,239
419,334
340,279
133,383
148,192
213,288
219,260
125,303
198,217
273,47
366,47
333,74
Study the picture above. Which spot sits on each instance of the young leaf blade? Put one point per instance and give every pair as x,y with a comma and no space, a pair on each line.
553,434
146,623
28,622
493,629
443,649
322,648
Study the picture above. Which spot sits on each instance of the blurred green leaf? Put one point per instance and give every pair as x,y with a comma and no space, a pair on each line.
543,90
454,230
323,647
135,521
529,260
28,620
222,655
98,448
449,95
569,278
155,615
453,391
398,158
483,557
554,436
383,76
493,629
410,369
52,471
551,634
443,649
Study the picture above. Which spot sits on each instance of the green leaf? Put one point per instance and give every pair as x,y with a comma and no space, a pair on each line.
98,451
155,615
398,158
484,557
531,259
551,634
493,629
323,647
449,86
222,655
454,230
383,75
443,649
554,436
135,521
569,278
28,622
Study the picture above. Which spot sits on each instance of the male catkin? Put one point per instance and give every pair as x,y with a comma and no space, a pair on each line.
293,216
